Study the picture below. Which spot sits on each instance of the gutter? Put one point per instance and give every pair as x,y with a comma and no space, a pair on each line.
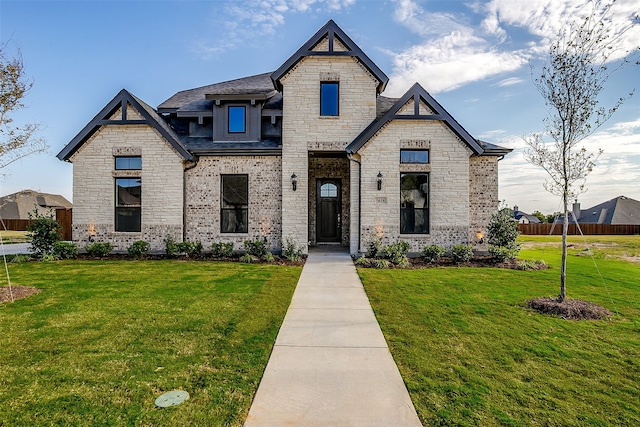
352,159
184,196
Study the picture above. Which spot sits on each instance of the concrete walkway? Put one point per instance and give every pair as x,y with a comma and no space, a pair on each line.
331,365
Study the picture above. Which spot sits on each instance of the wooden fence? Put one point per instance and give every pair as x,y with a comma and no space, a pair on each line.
64,217
587,229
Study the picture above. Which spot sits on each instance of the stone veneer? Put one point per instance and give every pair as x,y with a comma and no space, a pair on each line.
483,197
203,188
94,185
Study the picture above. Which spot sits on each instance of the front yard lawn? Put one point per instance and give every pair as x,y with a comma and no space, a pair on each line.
472,354
105,338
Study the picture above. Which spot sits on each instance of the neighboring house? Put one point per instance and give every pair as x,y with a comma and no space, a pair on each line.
19,205
311,152
524,218
621,210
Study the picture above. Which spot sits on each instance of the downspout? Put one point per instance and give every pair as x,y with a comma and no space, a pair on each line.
352,159
184,196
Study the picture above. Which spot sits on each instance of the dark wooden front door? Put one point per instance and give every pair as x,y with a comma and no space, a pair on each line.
328,210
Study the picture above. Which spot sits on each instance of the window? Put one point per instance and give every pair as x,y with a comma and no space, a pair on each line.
414,203
128,204
414,156
329,98
329,190
237,119
234,212
129,162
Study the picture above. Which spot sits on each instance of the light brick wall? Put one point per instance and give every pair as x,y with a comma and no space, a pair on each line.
449,183
94,186
265,199
303,128
483,196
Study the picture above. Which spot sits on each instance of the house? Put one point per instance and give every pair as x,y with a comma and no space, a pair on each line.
620,210
311,152
19,205
524,218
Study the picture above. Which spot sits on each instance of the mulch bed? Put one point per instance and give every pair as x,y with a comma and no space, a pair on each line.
475,262
570,309
18,292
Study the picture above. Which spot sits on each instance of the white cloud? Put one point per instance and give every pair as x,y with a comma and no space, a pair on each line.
509,82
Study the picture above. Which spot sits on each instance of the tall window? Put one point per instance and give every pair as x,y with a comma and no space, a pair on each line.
128,162
237,119
329,92
234,213
414,203
414,156
128,204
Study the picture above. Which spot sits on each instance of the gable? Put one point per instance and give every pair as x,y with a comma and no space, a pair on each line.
330,40
125,109
416,104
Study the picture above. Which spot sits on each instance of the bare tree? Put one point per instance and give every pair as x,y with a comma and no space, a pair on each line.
16,142
579,63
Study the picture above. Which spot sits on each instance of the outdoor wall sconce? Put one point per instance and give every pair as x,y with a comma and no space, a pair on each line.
294,182
480,237
379,181
92,232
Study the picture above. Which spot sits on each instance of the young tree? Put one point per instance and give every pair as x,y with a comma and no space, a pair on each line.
579,63
16,142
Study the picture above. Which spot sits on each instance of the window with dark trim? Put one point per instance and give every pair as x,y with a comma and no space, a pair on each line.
414,156
414,203
234,211
128,204
128,163
237,117
329,98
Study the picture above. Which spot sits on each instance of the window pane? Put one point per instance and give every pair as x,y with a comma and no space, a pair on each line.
128,191
414,156
414,203
128,219
237,119
129,162
328,190
329,98
234,204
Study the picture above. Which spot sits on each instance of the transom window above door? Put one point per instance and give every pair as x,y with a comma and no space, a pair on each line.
329,190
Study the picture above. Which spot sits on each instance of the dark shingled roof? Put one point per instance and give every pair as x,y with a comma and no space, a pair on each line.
621,210
384,104
260,84
204,146
493,149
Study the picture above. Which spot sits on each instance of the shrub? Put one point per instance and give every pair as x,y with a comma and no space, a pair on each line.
397,253
502,253
362,260
502,234
190,248
65,250
381,263
248,258
290,250
138,248
19,258
171,248
44,231
375,247
432,253
49,257
269,257
222,249
461,253
99,249
258,248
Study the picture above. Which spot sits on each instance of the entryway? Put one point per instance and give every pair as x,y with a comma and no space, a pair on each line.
328,210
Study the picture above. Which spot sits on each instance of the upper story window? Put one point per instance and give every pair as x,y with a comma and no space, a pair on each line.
128,163
329,98
237,119
414,156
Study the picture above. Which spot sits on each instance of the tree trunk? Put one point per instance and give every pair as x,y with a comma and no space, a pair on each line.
563,270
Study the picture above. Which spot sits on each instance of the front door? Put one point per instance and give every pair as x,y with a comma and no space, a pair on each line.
329,210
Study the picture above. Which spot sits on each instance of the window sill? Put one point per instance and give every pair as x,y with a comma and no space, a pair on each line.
329,117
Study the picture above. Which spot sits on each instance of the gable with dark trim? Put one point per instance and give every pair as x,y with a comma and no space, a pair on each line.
417,94
331,31
121,100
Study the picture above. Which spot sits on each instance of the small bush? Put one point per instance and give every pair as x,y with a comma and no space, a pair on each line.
171,248
258,248
222,249
99,249
523,264
362,260
48,257
432,253
248,258
190,249
138,248
375,248
381,263
502,253
461,253
397,252
269,257
291,251
65,250
20,258
44,231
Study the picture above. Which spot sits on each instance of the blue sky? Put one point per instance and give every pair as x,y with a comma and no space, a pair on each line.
473,56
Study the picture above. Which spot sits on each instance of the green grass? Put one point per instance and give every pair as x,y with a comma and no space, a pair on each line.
472,354
9,237
104,338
